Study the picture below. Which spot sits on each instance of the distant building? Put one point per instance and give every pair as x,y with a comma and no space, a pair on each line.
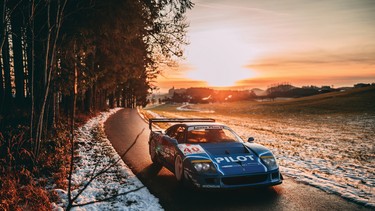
171,91
177,91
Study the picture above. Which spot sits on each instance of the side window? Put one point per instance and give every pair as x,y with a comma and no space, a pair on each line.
180,135
177,132
171,132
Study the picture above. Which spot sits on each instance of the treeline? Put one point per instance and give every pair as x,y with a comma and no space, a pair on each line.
287,90
63,58
207,95
62,55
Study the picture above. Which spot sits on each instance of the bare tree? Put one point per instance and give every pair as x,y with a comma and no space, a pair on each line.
53,36
17,25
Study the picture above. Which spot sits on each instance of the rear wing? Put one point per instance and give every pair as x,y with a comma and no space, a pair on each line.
179,120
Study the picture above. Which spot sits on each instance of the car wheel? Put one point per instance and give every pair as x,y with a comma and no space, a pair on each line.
179,169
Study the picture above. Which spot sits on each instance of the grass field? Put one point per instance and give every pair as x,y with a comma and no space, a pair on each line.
355,101
325,140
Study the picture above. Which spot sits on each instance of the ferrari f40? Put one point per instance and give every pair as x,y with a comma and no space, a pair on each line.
207,154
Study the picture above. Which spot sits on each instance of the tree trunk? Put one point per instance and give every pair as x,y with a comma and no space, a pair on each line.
123,93
1,69
74,95
6,67
79,103
1,87
111,100
50,55
18,57
38,75
2,23
88,100
55,112
30,58
66,104
118,97
30,47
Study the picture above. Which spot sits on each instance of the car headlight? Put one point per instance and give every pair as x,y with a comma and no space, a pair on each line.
270,162
198,166
204,167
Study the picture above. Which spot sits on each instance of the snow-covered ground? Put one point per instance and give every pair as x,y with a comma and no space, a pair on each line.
95,154
334,153
187,107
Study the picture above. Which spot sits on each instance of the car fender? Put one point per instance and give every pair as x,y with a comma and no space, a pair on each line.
258,149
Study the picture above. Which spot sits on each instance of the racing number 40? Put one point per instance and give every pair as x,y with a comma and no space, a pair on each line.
191,150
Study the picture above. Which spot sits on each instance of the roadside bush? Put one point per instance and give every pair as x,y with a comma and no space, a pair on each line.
16,195
24,178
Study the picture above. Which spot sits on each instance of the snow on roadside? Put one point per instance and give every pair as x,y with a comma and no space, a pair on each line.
95,153
333,154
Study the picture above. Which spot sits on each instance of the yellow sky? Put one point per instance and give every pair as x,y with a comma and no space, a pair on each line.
248,44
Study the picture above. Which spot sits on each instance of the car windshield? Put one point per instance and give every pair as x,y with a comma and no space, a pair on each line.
211,134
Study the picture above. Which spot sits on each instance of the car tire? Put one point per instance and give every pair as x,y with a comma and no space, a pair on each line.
179,169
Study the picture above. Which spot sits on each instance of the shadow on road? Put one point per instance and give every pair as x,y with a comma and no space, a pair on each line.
150,171
159,180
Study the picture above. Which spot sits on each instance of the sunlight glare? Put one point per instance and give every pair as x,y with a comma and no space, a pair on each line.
219,57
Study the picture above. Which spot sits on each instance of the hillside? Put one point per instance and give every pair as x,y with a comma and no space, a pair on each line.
357,100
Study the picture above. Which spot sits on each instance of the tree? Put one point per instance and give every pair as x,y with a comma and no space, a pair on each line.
17,25
2,29
76,56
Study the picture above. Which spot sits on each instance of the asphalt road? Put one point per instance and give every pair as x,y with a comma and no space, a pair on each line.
123,127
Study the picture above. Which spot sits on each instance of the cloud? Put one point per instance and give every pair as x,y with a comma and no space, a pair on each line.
336,81
238,8
348,57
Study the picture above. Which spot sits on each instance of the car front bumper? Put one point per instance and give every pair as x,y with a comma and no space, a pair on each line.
270,178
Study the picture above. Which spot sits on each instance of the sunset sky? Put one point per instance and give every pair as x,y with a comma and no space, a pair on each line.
247,44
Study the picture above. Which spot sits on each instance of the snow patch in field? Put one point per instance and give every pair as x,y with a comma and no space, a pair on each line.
95,154
334,154
187,107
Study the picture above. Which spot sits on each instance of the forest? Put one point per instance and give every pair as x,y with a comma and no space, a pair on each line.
63,61
209,95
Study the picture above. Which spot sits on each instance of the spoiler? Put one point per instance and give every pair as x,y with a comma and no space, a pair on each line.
180,120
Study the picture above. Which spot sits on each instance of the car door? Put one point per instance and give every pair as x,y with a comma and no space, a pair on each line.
176,135
166,143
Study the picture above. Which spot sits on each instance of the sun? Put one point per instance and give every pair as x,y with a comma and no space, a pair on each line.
219,58
220,74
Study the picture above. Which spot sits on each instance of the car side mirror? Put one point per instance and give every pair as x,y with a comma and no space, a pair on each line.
251,139
173,141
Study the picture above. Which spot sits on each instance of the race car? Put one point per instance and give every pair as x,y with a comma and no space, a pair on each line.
206,154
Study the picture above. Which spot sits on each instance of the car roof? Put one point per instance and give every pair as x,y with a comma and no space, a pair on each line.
201,124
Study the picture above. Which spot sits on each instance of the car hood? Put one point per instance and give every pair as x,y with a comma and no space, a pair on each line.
233,158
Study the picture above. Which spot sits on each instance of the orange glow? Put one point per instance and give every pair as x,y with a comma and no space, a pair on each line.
254,44
220,59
